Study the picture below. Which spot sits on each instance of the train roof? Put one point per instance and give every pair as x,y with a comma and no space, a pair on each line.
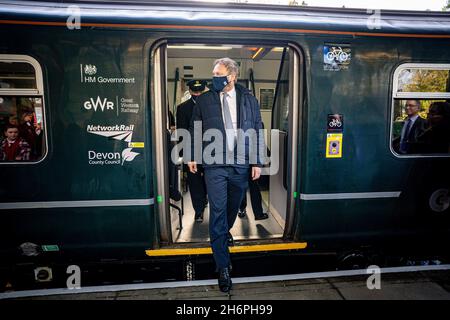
189,14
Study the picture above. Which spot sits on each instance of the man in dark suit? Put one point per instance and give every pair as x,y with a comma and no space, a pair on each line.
224,114
413,127
196,181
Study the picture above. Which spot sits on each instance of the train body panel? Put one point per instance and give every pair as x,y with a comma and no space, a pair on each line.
96,187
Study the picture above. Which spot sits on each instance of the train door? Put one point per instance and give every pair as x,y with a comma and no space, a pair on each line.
271,74
284,141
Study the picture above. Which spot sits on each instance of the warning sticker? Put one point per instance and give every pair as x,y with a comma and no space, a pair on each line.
334,145
136,144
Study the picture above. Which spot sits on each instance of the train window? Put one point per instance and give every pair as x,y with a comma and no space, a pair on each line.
421,110
22,121
17,75
423,80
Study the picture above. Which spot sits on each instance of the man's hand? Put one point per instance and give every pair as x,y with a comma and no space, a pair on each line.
256,172
192,166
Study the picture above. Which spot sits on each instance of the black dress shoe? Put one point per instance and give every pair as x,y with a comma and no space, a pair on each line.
199,217
242,213
262,216
230,240
225,282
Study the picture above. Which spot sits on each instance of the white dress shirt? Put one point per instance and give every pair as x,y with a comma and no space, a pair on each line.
231,99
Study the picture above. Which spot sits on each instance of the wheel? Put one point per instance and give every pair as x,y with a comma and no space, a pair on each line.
352,260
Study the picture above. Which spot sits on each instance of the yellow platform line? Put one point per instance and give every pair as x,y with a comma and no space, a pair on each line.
234,249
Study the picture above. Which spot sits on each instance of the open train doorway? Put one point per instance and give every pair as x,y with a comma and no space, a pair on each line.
269,72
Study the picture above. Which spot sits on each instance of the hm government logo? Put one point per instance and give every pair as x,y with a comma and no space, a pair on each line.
88,74
90,69
116,132
111,158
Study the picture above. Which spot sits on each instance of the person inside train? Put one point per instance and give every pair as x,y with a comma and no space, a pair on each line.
256,201
413,127
13,147
195,181
255,198
12,120
226,109
436,138
32,133
170,120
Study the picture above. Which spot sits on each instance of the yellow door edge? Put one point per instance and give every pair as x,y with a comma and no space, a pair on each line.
234,249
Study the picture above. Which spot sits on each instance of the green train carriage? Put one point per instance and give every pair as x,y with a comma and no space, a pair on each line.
101,79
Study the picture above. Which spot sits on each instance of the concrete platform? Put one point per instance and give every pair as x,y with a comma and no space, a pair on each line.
427,284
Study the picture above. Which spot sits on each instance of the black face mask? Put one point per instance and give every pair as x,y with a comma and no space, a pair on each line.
219,83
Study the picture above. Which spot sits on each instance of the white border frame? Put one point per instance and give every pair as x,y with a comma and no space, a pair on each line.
38,71
37,93
419,95
415,95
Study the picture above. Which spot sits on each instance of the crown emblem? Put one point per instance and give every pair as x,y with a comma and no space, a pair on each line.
90,69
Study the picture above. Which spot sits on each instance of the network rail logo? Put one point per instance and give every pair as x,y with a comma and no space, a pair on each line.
117,132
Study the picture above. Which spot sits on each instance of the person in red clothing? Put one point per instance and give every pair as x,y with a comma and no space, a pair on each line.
31,133
14,148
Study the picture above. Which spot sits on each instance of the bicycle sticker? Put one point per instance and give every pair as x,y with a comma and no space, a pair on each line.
335,123
334,145
336,57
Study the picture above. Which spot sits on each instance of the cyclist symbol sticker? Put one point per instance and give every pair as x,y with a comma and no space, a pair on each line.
334,145
336,57
335,123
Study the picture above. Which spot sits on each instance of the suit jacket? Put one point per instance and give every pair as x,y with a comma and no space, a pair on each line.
413,141
208,110
184,114
435,139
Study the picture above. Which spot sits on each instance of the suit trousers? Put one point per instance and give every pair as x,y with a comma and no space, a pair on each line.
255,197
226,186
197,189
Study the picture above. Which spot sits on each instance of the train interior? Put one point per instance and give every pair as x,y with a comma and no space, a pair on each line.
264,70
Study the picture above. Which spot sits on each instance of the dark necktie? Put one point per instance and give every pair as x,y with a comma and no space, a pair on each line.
404,138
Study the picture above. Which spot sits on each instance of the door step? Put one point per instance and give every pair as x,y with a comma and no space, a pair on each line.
234,249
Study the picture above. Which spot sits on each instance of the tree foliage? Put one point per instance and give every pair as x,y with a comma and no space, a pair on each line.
447,6
428,81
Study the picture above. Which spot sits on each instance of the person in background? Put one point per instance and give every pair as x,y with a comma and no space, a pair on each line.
413,127
436,138
14,148
256,200
196,181
31,132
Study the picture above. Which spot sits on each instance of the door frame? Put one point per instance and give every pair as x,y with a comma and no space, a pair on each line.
296,95
158,89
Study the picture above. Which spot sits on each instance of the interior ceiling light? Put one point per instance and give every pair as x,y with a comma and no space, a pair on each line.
257,52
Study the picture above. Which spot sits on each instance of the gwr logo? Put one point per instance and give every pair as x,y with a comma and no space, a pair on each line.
98,103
